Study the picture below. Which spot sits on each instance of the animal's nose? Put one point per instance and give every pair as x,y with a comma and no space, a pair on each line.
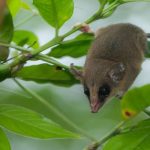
95,105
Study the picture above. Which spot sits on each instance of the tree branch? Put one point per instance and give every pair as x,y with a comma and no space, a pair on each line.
42,57
113,133
58,39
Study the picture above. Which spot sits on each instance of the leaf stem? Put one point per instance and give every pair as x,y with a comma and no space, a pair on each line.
53,42
23,58
46,46
52,61
98,14
39,56
113,133
94,17
55,111
126,1
33,53
56,32
25,20
22,49
111,7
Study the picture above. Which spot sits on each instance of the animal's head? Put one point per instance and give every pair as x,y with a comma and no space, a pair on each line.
101,80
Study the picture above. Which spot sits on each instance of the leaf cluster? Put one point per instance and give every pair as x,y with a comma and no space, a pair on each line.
26,45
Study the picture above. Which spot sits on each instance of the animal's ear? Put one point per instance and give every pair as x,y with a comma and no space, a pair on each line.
76,72
117,72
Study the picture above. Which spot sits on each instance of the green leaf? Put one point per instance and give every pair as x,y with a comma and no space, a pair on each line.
4,90
14,6
126,1
6,34
55,12
75,48
44,73
6,28
25,6
23,37
113,5
136,138
4,143
108,1
135,101
101,1
29,123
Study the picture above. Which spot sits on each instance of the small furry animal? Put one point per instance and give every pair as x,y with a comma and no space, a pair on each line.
113,62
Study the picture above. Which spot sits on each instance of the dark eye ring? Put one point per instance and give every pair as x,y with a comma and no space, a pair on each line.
104,91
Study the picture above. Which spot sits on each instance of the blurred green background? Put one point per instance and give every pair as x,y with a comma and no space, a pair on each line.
71,101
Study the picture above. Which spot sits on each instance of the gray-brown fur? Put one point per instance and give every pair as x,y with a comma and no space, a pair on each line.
114,59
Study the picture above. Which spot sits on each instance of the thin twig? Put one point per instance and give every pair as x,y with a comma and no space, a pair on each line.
25,20
53,42
55,111
39,57
115,132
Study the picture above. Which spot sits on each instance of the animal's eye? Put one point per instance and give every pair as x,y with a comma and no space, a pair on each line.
104,91
86,91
